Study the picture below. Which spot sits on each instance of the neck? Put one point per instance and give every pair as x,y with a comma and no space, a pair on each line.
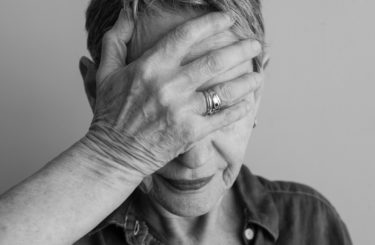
222,219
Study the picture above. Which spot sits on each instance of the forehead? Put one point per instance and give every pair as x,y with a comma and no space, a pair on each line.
150,28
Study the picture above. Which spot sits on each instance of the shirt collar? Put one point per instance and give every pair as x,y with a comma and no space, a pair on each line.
259,205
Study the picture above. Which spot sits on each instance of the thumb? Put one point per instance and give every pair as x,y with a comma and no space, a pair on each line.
114,50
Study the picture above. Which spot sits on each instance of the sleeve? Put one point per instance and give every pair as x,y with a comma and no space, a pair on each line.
307,217
320,223
335,230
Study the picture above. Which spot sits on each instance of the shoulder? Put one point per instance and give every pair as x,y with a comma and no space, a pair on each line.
284,194
304,211
291,212
289,193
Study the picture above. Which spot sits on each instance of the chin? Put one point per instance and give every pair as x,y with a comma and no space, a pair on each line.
188,208
188,203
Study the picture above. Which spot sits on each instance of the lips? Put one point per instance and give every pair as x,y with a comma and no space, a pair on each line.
187,185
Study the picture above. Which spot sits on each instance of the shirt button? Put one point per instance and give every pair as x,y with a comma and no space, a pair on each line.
249,234
136,228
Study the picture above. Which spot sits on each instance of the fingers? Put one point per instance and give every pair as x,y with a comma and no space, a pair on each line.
226,117
233,91
199,126
230,92
209,66
231,74
177,43
219,40
114,50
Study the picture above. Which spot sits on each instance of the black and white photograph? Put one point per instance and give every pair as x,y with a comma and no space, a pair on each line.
187,122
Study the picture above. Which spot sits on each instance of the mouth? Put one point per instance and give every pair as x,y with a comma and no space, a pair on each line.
187,185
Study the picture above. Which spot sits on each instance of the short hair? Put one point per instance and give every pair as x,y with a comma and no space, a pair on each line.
101,15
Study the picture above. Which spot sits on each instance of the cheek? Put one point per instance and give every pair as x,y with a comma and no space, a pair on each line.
233,139
232,143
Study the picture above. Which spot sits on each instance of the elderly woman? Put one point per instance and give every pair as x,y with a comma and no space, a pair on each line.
175,88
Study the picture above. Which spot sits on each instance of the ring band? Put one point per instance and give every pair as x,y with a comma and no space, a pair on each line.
208,102
213,101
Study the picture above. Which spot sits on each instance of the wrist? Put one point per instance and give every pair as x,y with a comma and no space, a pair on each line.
114,148
98,158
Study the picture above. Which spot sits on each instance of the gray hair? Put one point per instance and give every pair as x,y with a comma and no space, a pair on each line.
102,14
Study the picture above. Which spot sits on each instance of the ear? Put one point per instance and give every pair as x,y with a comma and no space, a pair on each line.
258,93
88,72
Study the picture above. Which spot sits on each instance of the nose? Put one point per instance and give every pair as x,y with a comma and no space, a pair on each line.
197,156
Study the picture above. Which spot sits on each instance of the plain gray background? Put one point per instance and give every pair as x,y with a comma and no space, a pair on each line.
316,124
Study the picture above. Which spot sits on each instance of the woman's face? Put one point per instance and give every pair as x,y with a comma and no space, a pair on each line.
193,183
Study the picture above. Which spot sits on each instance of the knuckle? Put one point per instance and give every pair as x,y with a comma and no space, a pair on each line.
144,69
175,41
109,37
213,63
187,76
225,92
165,96
183,33
167,48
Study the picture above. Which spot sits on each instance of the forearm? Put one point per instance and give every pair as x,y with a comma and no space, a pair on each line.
65,199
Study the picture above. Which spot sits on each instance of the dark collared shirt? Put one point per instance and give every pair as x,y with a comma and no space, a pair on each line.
274,212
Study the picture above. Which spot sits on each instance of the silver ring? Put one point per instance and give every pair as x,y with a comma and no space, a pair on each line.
213,102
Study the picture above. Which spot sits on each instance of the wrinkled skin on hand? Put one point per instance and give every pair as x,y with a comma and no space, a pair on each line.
142,119
148,112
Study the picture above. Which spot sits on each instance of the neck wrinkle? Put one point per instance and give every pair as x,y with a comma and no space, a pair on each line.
191,230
